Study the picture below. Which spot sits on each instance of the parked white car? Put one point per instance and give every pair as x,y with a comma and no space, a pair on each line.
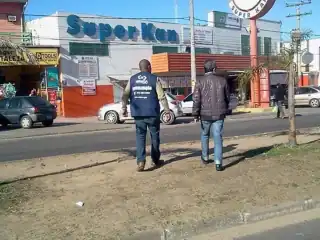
187,104
112,113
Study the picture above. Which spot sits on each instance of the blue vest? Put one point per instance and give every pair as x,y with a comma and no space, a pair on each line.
143,95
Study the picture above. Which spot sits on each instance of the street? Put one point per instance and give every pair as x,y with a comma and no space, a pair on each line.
298,226
308,230
53,145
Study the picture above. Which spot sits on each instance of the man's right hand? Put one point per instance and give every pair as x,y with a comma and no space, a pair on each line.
124,112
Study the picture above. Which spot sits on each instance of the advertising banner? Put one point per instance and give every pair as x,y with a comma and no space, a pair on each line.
89,87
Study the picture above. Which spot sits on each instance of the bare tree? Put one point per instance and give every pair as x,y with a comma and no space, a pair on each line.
20,50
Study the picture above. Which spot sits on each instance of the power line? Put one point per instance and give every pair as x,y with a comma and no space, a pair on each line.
297,31
151,20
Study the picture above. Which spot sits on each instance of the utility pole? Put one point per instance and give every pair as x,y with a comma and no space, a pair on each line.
193,46
298,16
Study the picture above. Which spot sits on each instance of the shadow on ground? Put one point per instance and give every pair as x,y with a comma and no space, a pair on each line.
180,154
37,125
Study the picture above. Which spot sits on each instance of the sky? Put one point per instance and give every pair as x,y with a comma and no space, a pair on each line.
165,9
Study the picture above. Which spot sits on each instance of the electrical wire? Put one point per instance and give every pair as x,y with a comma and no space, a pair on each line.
150,19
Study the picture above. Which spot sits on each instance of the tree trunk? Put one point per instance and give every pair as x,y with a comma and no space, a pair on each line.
291,105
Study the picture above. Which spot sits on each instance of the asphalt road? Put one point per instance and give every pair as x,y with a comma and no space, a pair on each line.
309,230
46,146
298,226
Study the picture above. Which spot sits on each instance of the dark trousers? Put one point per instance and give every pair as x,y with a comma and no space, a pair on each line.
142,125
280,111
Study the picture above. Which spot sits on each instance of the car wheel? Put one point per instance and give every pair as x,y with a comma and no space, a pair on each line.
26,122
314,103
47,123
112,117
167,118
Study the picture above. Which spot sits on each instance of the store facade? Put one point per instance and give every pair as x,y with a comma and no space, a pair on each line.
95,51
42,75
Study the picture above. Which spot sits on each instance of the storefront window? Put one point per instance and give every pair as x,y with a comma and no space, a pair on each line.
88,49
203,50
163,49
176,91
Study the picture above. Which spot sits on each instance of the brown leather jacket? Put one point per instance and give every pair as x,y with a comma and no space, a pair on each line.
211,97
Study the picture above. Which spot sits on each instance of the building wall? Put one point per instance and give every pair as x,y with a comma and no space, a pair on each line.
45,31
227,33
10,9
313,47
311,76
124,54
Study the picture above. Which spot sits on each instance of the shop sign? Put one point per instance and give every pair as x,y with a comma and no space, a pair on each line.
52,77
52,95
45,56
202,35
88,67
226,20
89,87
105,32
251,9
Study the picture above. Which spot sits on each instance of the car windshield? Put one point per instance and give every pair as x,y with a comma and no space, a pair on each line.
38,101
316,87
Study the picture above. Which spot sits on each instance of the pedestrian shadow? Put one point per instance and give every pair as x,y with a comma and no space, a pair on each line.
194,154
251,153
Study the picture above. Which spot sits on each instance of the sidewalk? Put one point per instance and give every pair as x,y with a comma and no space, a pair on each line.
121,202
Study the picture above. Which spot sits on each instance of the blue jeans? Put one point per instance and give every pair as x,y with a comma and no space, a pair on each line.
216,127
142,125
280,110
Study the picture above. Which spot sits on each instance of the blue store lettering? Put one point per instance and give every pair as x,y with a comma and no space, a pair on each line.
104,31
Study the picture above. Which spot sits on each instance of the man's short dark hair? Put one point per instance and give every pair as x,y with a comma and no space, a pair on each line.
144,65
209,66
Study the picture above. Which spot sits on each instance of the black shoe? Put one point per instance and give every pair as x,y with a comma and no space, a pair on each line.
157,164
205,162
219,167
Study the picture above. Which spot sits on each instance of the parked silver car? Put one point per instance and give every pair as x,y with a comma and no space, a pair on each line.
307,96
111,113
187,104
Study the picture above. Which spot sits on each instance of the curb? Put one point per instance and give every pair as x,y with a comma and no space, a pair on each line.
253,110
67,133
232,220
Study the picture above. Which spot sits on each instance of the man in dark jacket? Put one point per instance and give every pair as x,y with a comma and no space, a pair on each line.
145,91
279,99
211,99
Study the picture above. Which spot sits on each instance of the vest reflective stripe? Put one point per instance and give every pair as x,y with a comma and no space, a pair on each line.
143,95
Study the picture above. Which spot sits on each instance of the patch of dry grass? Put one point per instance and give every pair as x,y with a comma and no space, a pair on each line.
120,202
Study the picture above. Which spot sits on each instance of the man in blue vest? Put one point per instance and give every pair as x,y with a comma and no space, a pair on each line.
145,91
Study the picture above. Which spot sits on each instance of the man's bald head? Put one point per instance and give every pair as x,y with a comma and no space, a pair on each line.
145,65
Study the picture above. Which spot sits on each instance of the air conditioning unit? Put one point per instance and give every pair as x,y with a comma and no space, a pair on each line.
12,18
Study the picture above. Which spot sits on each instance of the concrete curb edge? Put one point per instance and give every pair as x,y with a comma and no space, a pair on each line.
232,220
